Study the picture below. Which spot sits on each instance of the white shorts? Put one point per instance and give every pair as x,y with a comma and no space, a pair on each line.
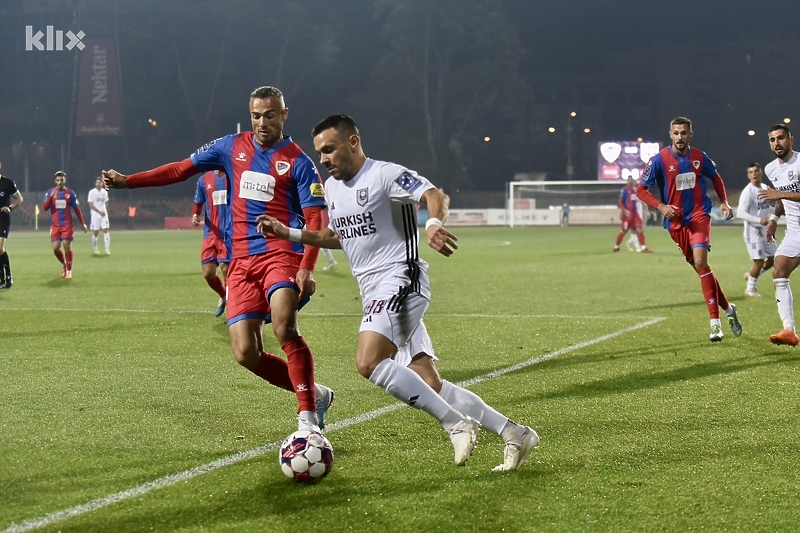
790,245
757,246
98,222
399,319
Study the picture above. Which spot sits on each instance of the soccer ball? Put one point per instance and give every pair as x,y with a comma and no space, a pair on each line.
306,456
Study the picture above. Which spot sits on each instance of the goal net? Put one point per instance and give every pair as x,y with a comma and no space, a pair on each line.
545,202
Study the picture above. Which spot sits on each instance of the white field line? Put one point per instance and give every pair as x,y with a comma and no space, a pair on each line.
171,479
307,314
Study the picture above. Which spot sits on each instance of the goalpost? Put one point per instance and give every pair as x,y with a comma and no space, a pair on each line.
544,202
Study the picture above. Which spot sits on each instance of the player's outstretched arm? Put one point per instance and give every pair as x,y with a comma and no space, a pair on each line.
114,180
324,238
439,238
773,194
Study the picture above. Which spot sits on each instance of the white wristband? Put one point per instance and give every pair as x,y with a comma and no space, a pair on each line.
774,218
295,235
433,222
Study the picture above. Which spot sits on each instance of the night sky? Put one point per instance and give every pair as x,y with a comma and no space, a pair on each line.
572,39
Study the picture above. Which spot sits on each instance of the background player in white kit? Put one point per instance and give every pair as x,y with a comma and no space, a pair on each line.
784,173
755,213
373,219
98,199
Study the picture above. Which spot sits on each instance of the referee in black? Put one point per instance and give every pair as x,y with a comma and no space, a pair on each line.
10,199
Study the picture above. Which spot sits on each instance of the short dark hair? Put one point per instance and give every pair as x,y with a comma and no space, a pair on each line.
780,126
61,173
753,165
342,123
680,120
267,91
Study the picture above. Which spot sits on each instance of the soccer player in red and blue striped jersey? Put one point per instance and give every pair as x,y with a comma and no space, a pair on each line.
61,201
268,278
212,192
680,172
630,216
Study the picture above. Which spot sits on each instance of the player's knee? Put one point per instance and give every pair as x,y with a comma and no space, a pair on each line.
248,357
284,330
365,365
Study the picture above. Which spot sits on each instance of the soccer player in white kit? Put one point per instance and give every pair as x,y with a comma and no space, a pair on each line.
755,213
98,198
784,173
373,219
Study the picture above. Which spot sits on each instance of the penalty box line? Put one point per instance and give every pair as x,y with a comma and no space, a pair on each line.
171,479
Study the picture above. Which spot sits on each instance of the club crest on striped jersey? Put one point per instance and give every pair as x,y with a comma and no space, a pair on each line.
696,164
282,167
362,196
408,181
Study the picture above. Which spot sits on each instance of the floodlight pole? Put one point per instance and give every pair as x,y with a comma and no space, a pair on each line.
570,168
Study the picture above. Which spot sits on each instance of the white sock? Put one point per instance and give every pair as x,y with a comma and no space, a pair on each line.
94,242
752,282
107,240
307,417
512,432
405,385
783,296
471,404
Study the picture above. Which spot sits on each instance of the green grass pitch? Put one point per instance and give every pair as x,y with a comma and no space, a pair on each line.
122,409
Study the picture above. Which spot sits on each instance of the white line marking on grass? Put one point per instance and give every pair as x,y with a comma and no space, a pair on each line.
166,481
310,314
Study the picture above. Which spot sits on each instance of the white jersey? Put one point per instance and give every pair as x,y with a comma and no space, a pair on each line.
375,216
785,177
98,199
751,209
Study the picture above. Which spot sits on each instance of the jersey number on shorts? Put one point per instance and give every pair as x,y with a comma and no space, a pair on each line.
375,307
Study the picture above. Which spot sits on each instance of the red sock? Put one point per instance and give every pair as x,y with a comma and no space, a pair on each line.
301,372
709,284
721,299
59,255
69,260
217,285
274,370
620,237
640,236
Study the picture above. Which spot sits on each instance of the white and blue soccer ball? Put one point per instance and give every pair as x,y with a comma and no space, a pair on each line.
306,456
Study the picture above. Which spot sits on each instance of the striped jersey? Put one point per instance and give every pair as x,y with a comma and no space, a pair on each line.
60,203
680,182
278,181
375,216
627,200
785,177
212,192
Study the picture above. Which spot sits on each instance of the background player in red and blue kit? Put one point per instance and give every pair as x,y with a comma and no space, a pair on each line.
59,201
212,192
679,171
268,278
630,216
